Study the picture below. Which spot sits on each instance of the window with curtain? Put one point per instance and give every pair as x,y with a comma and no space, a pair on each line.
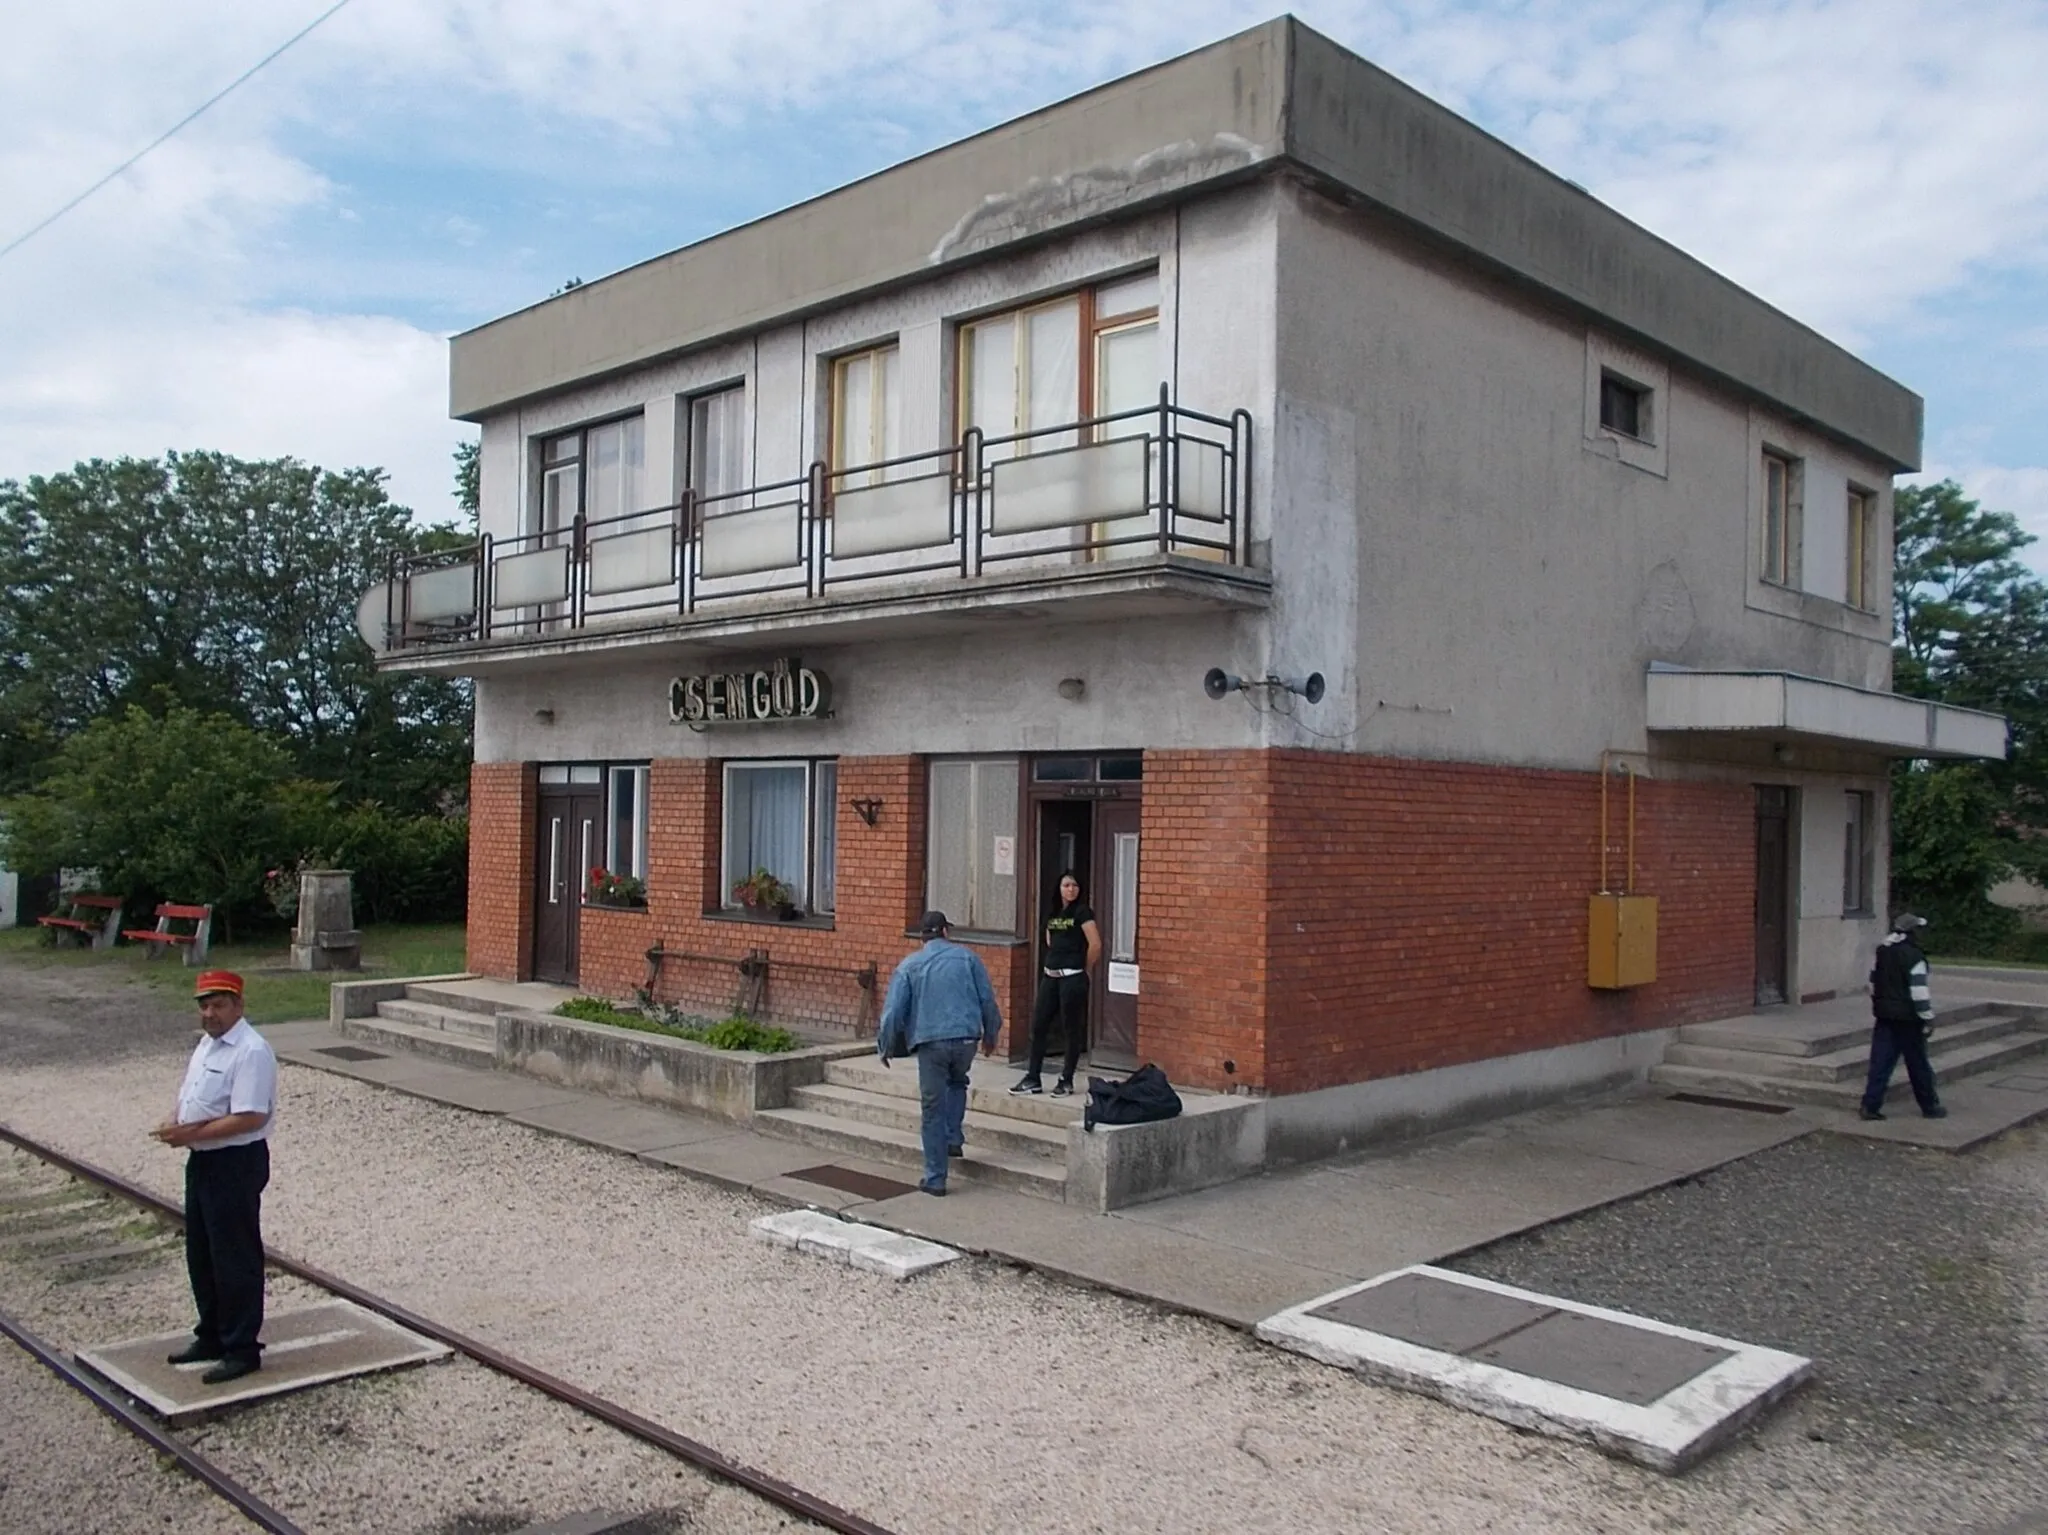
1021,372
971,844
595,472
867,414
717,442
782,817
626,843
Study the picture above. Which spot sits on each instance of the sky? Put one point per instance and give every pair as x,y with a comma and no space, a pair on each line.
281,276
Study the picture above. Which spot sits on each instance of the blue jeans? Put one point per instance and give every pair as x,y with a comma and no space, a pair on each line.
1888,1043
942,1094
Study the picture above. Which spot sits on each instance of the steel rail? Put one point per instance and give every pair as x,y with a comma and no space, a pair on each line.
703,1456
162,1442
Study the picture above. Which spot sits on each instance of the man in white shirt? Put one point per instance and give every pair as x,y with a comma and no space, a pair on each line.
225,1109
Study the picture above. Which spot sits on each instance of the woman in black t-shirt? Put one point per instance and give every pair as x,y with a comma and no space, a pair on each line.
1073,945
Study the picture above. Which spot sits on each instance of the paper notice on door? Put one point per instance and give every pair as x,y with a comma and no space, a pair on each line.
1123,978
1005,859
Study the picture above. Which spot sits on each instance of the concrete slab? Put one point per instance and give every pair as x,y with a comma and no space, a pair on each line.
1646,1391
1108,1252
1979,1110
870,1248
617,1126
740,1160
1661,1133
482,1092
306,1346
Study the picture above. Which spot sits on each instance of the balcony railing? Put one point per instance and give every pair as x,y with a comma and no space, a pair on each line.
1156,481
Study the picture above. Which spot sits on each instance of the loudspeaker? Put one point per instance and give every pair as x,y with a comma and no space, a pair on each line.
1312,689
1218,682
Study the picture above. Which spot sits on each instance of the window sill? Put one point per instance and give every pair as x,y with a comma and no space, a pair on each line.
810,921
976,938
640,910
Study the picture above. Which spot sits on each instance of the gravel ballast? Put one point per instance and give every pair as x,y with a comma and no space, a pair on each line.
975,1398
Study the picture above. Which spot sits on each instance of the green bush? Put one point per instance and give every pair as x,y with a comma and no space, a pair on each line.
735,1033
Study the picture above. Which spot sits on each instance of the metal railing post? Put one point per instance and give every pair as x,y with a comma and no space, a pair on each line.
814,526
577,573
686,536
1166,478
486,573
1241,476
970,502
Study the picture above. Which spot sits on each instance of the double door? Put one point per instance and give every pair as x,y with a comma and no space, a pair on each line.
568,841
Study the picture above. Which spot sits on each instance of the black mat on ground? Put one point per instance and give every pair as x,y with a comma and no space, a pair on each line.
851,1180
350,1053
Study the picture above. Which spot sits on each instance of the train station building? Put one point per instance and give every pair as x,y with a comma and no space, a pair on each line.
873,557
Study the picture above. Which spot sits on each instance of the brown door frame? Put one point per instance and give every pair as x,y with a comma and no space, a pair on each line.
1092,792
1776,897
565,863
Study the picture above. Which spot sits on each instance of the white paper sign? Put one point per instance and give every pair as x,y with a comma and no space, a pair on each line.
1123,978
1006,856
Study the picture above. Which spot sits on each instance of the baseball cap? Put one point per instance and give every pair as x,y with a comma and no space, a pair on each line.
213,981
1906,921
934,923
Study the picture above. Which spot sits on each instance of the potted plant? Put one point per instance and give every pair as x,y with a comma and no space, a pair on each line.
609,889
763,892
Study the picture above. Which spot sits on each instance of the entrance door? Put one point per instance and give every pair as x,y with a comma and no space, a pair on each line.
1773,893
1116,910
1066,841
567,843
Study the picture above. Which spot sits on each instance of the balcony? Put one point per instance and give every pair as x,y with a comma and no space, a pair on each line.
1122,515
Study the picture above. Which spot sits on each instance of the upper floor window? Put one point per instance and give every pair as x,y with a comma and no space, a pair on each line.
595,472
1624,406
718,459
1090,353
1861,592
867,412
1781,518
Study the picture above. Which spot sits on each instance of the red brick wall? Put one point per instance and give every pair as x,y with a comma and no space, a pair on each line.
501,814
1319,918
879,896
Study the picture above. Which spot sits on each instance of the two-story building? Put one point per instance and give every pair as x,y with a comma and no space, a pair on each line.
885,544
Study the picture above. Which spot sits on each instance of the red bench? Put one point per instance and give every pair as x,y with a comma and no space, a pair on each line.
79,922
163,936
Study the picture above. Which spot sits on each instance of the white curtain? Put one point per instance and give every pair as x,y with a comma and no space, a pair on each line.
764,824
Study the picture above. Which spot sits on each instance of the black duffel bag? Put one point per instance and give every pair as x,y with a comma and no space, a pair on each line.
1140,1098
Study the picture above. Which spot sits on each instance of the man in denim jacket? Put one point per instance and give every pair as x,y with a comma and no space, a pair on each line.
940,1006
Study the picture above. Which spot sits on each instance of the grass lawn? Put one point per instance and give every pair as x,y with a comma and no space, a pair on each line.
275,991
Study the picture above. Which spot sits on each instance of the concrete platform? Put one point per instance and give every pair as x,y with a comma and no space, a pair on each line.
1645,1391
306,1346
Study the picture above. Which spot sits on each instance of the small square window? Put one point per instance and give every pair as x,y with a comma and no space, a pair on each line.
1624,407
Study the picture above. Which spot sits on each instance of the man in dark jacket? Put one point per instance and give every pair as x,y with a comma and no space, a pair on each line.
1904,1010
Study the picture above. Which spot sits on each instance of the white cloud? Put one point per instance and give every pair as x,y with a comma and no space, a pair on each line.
1850,160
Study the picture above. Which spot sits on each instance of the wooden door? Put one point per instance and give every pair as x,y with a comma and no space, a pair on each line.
568,840
1115,899
1773,893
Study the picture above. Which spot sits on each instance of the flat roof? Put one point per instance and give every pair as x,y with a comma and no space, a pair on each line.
1277,96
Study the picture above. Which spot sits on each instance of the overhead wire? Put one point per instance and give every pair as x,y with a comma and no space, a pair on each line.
171,132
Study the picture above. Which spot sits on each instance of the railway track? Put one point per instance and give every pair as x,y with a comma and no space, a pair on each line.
91,1215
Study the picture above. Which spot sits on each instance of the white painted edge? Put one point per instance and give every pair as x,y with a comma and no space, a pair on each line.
869,1248
1668,1435
416,1350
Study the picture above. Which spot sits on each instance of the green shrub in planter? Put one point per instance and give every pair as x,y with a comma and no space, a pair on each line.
738,1032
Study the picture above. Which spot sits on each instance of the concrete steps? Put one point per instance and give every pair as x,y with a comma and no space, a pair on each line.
1033,1175
1020,1137
1823,1059
429,1021
988,1090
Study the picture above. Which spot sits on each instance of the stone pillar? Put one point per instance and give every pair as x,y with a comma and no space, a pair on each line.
326,936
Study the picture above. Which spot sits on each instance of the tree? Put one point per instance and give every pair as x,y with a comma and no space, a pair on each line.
227,586
183,806
1971,628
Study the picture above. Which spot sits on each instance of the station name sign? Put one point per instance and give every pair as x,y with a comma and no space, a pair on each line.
787,690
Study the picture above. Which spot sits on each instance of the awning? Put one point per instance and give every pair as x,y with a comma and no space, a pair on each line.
1783,706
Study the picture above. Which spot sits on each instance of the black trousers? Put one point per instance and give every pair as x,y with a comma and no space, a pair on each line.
1889,1044
1064,997
224,1245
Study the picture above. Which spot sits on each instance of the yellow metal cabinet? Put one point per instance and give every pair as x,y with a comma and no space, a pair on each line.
1621,941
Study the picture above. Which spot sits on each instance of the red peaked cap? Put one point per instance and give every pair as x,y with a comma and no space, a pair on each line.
211,981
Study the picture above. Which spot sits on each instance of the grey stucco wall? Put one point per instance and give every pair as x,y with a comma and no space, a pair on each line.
1501,578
